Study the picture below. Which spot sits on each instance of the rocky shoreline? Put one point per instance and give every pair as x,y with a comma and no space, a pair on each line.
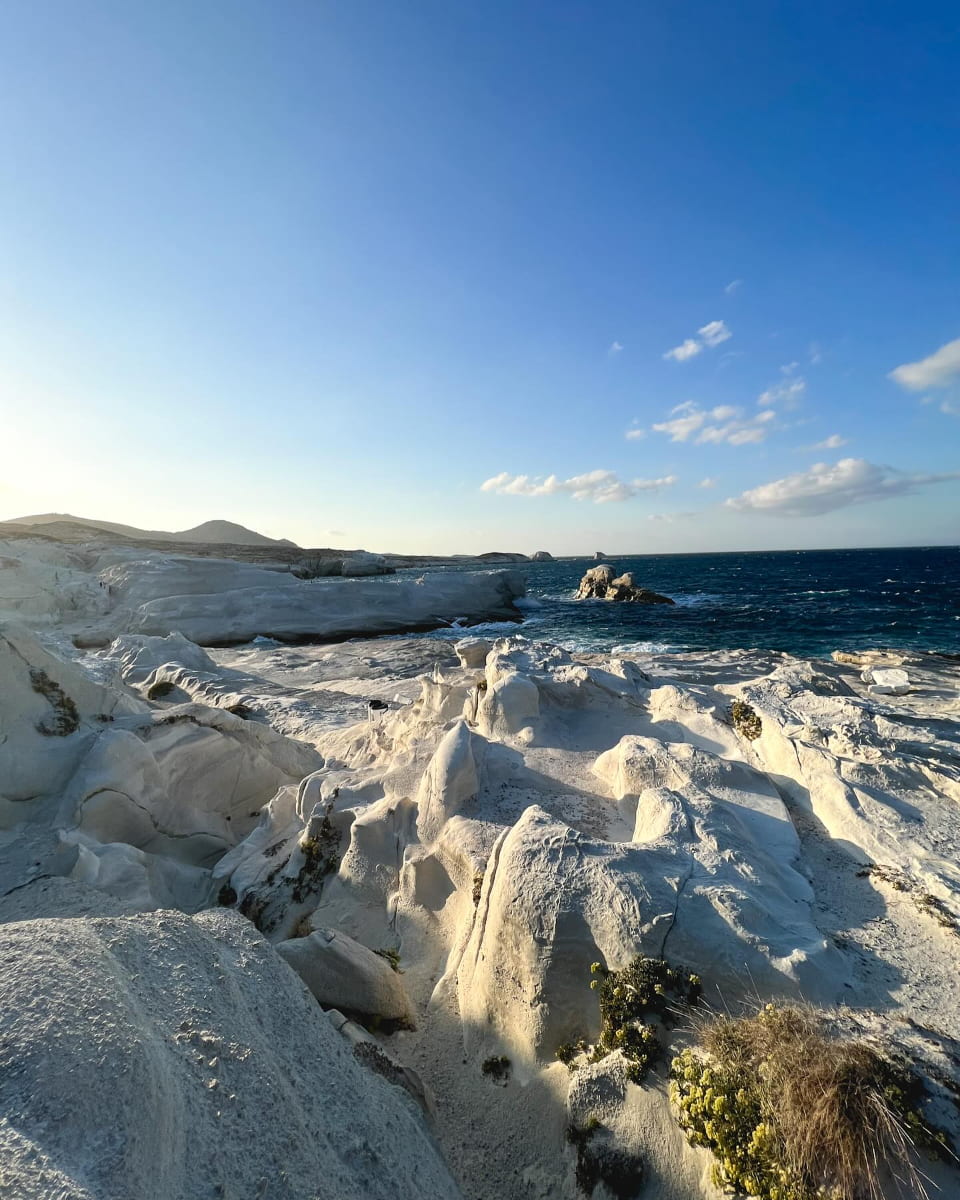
341,904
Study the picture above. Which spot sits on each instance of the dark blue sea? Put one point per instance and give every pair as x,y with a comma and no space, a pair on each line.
806,602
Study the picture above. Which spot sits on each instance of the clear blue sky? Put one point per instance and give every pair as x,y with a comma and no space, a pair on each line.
328,268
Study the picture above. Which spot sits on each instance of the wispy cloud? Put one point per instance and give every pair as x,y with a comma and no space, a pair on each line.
709,482
717,425
787,394
598,487
733,286
712,334
635,433
937,370
687,349
668,518
789,368
825,488
833,442
615,348
815,354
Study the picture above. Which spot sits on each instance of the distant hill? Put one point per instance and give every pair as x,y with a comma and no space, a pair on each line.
210,532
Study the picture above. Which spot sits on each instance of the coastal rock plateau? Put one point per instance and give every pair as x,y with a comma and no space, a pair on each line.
95,593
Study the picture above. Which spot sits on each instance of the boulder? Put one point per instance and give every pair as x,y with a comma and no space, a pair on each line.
343,974
594,584
886,681
598,556
163,1055
599,584
542,556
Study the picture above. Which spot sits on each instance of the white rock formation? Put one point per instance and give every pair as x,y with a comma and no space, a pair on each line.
97,593
163,1055
138,800
890,681
345,975
512,815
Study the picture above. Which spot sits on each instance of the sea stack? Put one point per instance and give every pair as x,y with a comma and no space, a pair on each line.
599,583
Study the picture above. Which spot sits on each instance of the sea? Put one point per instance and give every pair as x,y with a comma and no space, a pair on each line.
805,602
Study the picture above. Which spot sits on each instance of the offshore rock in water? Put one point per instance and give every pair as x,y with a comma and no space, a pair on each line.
599,584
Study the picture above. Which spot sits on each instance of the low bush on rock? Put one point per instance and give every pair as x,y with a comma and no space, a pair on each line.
320,845
793,1113
744,719
392,956
65,719
630,1001
497,1068
160,689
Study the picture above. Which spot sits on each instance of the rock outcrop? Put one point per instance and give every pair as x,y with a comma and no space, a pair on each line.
599,584
135,798
542,556
504,815
96,594
164,1055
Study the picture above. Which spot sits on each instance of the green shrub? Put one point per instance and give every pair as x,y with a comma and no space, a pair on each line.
160,689
646,989
392,956
65,719
744,719
793,1113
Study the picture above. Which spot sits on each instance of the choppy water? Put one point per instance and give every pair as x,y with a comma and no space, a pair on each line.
806,602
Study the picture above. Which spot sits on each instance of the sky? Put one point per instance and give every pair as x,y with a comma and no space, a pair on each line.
444,276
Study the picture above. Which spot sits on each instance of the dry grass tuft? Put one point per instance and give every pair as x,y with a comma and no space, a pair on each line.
793,1113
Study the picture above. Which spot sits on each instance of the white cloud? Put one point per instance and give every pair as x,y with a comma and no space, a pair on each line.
707,483
687,420
711,334
789,368
685,350
600,487
826,487
833,442
787,393
714,332
951,407
615,348
937,370
635,434
816,355
732,286
669,518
